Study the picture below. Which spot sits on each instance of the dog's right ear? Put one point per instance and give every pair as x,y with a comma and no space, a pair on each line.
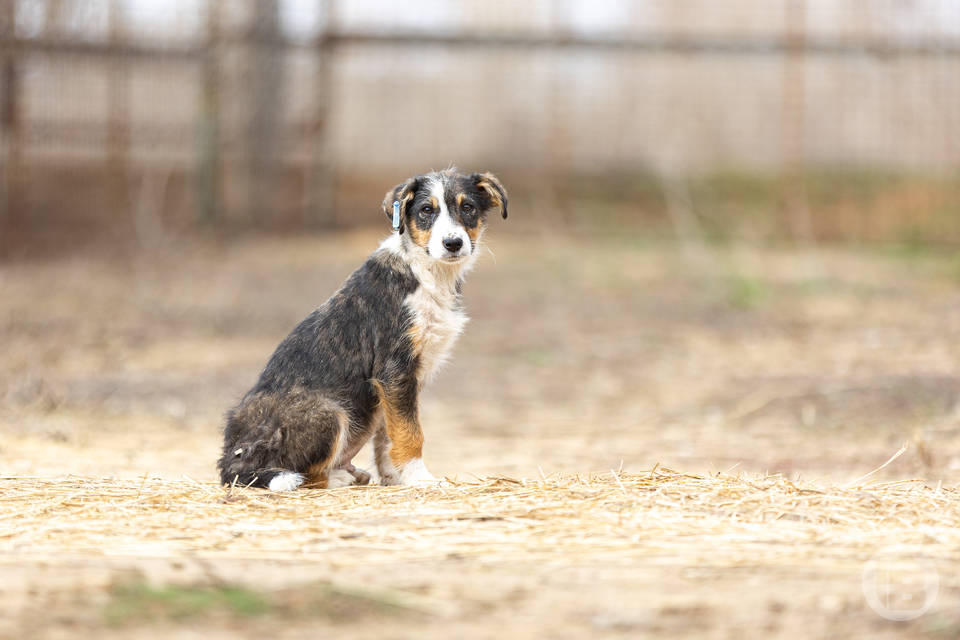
494,189
402,193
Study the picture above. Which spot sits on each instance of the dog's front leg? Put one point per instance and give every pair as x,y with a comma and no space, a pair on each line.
382,465
398,445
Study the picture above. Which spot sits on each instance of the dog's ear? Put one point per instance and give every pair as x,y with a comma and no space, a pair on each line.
491,185
402,193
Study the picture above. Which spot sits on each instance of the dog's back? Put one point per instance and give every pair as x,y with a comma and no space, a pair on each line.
315,393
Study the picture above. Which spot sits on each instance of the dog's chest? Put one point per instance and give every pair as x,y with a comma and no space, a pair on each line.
438,321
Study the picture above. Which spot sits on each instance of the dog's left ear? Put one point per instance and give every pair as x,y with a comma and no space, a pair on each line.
402,193
491,185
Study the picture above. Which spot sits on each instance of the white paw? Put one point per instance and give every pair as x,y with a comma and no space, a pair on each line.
415,474
388,479
383,473
340,478
286,481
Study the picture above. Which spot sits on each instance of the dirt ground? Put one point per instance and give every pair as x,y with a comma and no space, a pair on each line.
583,355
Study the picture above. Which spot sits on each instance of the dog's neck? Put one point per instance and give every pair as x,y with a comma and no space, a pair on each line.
441,279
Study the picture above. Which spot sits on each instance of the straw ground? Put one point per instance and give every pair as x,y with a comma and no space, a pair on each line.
776,381
660,551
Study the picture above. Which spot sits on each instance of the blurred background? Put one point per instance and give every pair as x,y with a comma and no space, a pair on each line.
732,237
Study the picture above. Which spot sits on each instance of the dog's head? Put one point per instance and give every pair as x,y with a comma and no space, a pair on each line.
445,212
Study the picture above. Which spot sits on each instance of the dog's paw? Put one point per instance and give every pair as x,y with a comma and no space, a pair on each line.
340,478
383,473
415,474
361,476
388,479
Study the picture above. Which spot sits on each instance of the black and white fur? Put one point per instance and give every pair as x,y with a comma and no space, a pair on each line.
354,368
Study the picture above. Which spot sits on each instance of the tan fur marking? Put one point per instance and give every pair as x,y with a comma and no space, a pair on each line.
317,476
406,442
474,232
416,339
405,435
486,183
460,197
420,237
434,203
406,200
494,195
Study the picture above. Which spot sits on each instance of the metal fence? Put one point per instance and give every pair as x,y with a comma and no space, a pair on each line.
139,115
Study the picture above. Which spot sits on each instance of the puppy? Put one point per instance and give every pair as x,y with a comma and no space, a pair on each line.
354,368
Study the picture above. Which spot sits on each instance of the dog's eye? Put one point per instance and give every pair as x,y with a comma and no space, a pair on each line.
466,207
427,209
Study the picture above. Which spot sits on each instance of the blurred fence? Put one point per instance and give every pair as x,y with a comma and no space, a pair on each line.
812,117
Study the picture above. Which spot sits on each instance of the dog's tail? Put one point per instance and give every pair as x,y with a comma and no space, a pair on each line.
273,479
257,462
278,441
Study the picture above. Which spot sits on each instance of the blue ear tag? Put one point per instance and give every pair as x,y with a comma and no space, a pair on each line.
396,215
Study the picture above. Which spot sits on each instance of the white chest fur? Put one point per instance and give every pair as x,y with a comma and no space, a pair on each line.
438,318
438,321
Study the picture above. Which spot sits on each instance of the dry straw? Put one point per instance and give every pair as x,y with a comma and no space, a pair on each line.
663,515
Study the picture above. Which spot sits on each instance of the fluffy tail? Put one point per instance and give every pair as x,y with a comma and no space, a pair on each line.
273,479
273,440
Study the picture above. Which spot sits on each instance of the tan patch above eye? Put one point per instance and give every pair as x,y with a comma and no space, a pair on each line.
433,203
459,200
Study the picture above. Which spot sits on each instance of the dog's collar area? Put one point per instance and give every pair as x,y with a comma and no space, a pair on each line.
396,215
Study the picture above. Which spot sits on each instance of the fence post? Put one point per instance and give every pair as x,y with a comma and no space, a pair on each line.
265,93
118,122
320,179
209,171
793,125
11,132
558,165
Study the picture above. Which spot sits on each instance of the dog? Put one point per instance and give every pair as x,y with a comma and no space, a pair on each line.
354,368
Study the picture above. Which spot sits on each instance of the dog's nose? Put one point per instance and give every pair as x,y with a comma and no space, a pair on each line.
452,244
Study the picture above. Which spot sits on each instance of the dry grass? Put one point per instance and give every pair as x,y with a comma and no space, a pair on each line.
795,372
688,519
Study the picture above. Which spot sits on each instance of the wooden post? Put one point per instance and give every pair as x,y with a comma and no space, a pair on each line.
209,182
266,99
320,180
118,117
558,163
11,133
793,125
